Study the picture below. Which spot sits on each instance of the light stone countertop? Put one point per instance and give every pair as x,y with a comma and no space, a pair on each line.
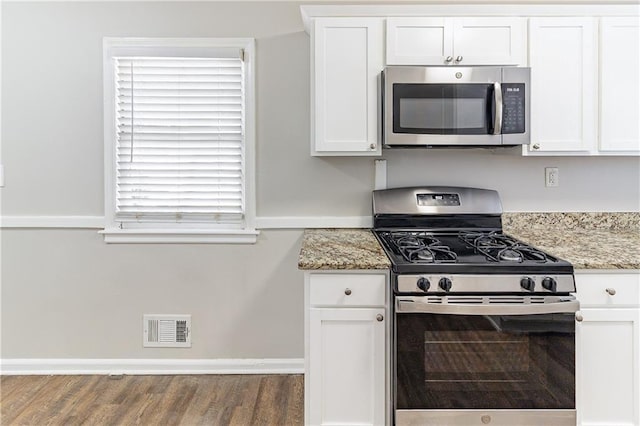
585,249
341,249
587,240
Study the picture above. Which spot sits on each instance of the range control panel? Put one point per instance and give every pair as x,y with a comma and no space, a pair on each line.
513,113
438,200
508,283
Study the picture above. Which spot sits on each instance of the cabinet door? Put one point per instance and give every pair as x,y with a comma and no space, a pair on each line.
619,84
348,59
489,41
608,367
347,366
419,41
563,84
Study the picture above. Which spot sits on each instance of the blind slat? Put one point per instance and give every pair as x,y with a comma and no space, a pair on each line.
179,143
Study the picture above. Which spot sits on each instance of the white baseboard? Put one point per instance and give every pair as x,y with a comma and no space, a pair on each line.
63,366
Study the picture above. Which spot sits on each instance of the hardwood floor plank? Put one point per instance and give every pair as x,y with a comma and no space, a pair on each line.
152,400
294,414
16,394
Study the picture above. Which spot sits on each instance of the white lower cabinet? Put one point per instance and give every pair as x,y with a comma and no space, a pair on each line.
345,356
608,351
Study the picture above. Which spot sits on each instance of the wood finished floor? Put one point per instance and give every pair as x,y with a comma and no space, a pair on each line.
153,400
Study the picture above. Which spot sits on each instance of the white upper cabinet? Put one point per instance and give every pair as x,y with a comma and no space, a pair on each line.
619,85
419,41
489,41
347,58
456,41
563,84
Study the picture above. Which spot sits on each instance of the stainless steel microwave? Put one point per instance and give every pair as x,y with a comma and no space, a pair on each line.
455,106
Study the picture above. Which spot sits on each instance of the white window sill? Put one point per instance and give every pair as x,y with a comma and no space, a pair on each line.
183,236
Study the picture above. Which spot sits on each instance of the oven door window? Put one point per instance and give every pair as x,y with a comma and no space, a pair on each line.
443,109
485,362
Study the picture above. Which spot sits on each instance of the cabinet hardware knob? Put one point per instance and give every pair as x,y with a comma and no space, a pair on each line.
372,146
459,59
579,317
536,146
347,291
611,291
379,317
449,59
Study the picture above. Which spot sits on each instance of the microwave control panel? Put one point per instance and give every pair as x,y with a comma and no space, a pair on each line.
513,104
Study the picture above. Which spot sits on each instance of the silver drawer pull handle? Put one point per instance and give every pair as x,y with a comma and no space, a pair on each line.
347,292
379,317
579,317
611,291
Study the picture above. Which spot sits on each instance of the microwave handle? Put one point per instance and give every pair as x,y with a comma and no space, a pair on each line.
497,99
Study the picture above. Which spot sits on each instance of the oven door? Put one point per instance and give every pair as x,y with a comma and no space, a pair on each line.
506,363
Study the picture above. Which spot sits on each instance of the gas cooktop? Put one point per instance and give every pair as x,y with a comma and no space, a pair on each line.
465,252
450,240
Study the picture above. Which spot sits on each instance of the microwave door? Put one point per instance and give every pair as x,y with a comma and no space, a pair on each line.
446,114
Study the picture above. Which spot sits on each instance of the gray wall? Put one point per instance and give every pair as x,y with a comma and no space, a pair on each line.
586,183
66,294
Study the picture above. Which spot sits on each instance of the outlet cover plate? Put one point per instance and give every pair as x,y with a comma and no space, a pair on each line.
551,177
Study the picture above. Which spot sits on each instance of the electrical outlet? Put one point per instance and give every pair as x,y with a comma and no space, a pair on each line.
551,176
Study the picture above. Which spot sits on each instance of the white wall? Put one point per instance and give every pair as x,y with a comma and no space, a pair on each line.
66,294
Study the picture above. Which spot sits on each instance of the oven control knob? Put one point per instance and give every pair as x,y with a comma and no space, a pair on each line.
445,284
423,284
549,284
527,283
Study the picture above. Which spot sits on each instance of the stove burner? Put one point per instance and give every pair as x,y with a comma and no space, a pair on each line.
423,254
510,255
499,247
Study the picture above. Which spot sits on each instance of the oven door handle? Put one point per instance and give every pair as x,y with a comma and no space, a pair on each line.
414,305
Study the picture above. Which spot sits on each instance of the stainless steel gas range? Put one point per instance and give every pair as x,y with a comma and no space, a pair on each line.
483,324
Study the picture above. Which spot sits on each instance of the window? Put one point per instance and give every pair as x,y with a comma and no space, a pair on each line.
179,140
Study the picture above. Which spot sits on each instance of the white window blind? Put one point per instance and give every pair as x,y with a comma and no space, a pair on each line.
180,139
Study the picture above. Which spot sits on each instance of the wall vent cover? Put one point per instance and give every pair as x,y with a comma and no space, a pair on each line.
166,331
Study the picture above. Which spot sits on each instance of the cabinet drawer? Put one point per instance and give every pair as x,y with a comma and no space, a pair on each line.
347,289
595,289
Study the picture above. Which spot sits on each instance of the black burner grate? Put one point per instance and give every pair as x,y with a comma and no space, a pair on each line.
498,247
421,247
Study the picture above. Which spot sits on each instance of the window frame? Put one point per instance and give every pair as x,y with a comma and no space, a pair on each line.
174,232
